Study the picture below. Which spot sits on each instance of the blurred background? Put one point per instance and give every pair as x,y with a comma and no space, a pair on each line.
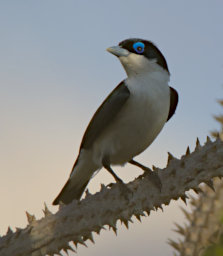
55,72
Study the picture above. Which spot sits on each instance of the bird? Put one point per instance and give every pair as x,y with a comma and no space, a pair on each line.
128,120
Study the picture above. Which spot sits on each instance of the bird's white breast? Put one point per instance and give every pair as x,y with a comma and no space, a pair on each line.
138,122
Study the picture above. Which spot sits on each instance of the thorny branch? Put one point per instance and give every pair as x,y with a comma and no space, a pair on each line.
77,221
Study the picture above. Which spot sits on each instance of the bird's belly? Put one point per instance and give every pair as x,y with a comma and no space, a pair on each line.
133,130
135,135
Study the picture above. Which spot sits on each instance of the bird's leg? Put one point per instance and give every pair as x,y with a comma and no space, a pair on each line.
124,189
153,176
109,169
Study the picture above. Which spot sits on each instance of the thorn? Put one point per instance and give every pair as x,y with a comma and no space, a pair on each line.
148,212
219,118
193,200
208,139
31,218
188,151
131,221
218,136
87,193
210,184
174,244
184,198
138,217
179,229
198,145
98,229
197,190
75,244
46,210
9,231
18,231
81,241
90,237
115,230
168,202
126,223
156,208
170,157
29,229
139,213
161,207
112,224
70,248
142,214
66,251
155,168
187,214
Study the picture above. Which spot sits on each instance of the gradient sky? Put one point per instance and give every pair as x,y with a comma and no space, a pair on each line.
54,73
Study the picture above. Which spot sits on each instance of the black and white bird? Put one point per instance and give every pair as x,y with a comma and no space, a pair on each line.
128,120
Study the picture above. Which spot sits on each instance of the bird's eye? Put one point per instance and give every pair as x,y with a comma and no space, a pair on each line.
139,47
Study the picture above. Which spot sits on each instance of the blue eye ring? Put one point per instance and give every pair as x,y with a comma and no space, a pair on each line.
139,47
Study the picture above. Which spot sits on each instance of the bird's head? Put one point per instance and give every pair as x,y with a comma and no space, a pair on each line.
139,56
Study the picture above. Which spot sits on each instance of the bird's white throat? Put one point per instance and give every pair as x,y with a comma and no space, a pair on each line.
138,65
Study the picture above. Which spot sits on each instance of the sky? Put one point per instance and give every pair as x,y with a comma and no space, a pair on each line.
55,72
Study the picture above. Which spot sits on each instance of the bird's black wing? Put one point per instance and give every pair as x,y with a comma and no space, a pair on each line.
173,102
105,114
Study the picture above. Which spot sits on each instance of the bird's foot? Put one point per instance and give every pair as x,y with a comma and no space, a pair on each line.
154,177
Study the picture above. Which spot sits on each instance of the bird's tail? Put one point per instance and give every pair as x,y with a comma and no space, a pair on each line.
77,182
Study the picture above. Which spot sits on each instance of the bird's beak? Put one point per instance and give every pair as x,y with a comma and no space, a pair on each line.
118,51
